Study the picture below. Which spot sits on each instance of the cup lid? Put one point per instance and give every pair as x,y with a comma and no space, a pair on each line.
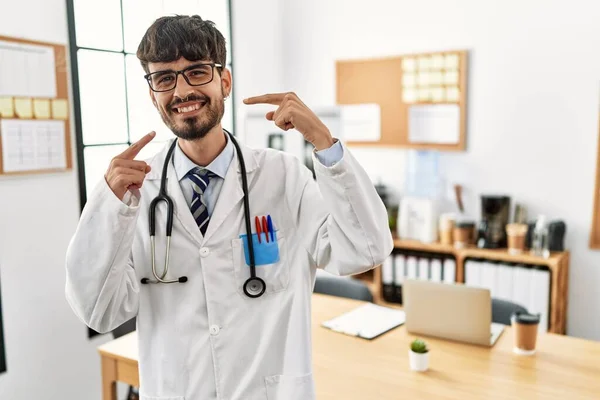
526,318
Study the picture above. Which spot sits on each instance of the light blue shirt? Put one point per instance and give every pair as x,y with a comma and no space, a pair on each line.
328,157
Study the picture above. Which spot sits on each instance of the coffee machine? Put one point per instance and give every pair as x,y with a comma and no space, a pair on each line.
495,210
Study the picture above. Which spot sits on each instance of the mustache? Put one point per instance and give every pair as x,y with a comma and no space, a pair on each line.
192,97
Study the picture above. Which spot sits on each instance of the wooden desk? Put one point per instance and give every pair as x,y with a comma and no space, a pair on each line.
352,368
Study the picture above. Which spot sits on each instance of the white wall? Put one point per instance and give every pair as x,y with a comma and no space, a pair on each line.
258,52
48,353
534,81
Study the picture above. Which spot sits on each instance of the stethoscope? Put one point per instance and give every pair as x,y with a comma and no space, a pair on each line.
254,286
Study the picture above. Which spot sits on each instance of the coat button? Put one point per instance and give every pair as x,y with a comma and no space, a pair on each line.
204,251
214,330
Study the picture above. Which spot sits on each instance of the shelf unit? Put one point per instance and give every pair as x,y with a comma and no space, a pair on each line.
557,264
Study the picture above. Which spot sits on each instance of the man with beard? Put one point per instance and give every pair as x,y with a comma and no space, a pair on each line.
206,334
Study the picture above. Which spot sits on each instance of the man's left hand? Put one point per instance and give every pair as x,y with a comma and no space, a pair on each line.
293,113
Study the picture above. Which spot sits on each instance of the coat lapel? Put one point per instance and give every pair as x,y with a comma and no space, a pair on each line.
231,191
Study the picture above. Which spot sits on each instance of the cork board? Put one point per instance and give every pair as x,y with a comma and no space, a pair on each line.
404,85
38,114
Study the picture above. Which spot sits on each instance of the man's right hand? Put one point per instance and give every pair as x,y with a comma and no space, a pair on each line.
124,172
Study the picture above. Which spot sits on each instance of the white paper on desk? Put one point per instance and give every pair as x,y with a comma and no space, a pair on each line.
437,123
361,122
27,70
32,145
366,321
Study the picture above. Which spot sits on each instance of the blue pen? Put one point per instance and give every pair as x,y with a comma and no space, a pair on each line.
270,227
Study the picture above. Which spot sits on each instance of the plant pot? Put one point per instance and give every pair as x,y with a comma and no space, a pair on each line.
418,361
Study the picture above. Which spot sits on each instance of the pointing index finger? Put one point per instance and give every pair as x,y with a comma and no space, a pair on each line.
273,98
136,147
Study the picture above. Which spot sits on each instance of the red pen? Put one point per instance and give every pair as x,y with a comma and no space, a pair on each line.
257,223
265,228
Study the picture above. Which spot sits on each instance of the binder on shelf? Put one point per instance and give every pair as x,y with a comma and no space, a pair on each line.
412,268
423,267
400,272
387,279
472,272
436,269
487,276
540,295
449,270
505,281
522,286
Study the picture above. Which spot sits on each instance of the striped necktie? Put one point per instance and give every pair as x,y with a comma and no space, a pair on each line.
200,178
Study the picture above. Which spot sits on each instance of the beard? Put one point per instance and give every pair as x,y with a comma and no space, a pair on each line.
197,127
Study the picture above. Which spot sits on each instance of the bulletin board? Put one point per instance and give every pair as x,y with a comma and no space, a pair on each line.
422,98
34,107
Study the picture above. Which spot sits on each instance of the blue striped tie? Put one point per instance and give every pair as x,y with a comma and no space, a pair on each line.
200,178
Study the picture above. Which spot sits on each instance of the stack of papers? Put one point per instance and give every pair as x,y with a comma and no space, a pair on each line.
367,321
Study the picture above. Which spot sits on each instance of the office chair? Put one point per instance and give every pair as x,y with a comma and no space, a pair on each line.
342,287
122,330
503,309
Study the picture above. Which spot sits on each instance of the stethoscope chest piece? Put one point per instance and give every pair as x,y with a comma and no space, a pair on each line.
254,287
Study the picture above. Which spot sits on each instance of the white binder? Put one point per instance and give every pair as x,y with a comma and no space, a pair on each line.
387,271
424,268
522,287
505,281
540,296
436,269
488,278
400,269
472,273
449,270
411,265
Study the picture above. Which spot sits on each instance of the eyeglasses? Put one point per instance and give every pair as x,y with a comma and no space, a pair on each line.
194,75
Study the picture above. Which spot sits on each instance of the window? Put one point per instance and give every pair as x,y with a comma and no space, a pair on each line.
115,111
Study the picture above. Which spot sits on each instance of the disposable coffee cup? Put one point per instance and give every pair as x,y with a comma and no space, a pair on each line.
525,332
516,234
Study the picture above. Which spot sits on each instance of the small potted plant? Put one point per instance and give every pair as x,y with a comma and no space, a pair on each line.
418,355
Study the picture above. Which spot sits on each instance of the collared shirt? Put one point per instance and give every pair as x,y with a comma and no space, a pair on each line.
328,157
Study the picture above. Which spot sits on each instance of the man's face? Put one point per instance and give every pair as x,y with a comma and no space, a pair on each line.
191,111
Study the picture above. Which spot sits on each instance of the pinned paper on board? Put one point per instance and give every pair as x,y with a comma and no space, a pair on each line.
361,122
7,108
60,109
23,108
32,145
27,70
41,108
437,123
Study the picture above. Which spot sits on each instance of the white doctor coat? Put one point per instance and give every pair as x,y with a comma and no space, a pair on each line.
204,339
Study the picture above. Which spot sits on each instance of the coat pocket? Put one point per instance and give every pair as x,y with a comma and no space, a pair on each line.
275,271
290,387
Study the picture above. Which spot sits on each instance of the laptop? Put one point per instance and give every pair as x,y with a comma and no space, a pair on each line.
450,311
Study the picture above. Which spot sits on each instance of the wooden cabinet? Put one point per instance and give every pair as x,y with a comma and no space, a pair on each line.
557,264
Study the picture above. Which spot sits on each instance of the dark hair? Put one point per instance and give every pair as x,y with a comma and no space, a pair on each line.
191,37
